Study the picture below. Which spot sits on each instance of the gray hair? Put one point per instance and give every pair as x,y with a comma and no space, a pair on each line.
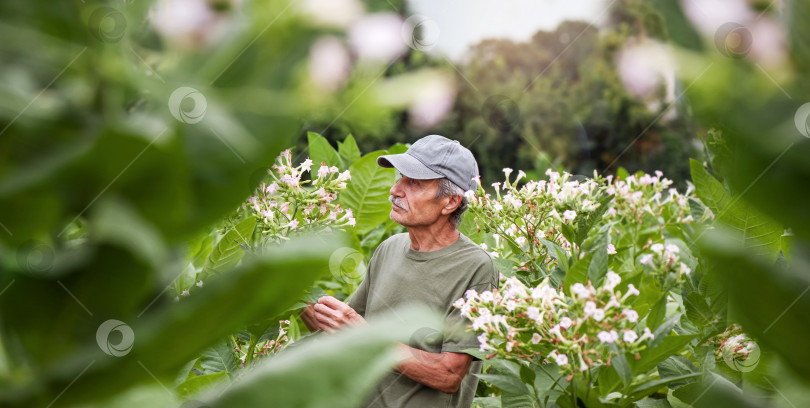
448,188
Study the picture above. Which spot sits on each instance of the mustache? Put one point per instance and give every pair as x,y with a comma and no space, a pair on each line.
398,202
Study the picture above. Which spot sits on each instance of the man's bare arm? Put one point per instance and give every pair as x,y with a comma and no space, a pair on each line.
441,371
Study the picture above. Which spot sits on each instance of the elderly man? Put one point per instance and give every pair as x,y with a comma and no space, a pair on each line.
433,264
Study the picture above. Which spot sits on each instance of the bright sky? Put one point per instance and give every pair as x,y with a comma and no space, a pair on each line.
462,23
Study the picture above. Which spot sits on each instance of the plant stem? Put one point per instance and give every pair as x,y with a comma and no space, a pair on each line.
249,358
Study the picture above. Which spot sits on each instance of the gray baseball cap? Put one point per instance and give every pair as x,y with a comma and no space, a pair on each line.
433,157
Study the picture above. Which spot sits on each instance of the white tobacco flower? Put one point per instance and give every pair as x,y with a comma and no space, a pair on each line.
611,280
579,290
470,195
645,259
471,294
632,291
306,165
658,248
510,305
534,314
556,331
569,215
536,338
683,269
565,322
487,297
613,302
647,334
632,315
271,189
537,293
611,249
480,322
561,359
459,303
482,340
582,365
630,336
598,315
590,307
672,248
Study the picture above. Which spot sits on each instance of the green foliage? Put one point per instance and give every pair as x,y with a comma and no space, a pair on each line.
368,192
364,352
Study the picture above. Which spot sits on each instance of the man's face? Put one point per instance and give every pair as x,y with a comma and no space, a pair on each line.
414,203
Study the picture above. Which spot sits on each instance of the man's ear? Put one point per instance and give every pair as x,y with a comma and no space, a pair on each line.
453,201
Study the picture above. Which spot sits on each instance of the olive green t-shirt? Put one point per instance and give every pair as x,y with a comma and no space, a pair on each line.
398,276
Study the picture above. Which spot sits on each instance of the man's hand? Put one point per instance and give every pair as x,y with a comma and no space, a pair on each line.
308,316
330,314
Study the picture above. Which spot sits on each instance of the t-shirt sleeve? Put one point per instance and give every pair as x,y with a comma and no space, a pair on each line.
457,339
360,296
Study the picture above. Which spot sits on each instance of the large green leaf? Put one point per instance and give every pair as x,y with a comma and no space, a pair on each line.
264,285
599,264
758,233
320,151
651,357
367,192
714,391
578,273
229,249
348,151
674,367
200,382
336,370
219,358
506,383
776,321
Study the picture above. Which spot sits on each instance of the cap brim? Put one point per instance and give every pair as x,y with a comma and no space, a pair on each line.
408,166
